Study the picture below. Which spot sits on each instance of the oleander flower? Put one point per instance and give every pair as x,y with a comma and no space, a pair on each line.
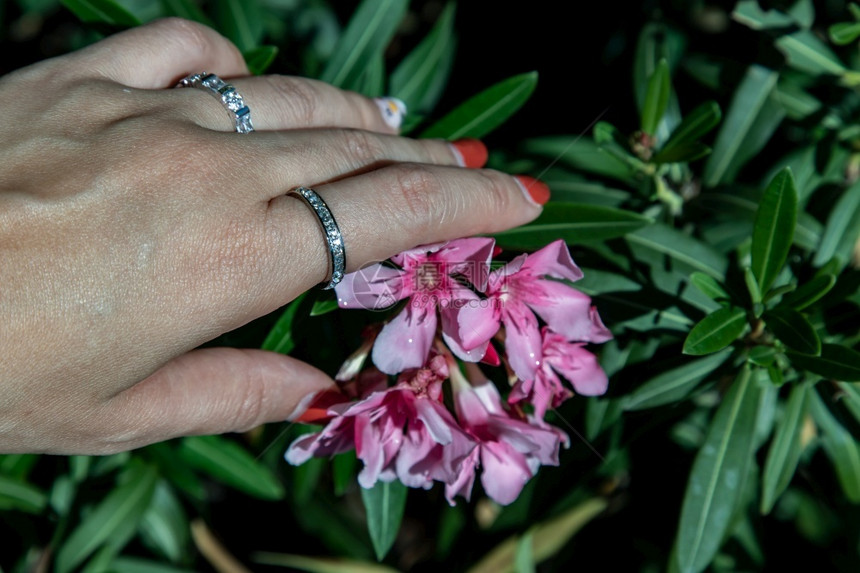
522,289
510,449
403,432
426,279
557,356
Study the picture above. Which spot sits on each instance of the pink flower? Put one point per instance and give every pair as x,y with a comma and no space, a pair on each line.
510,450
426,279
571,360
403,432
517,292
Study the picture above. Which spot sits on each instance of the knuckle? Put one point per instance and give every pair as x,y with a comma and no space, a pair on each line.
249,412
496,196
419,191
300,94
362,147
195,38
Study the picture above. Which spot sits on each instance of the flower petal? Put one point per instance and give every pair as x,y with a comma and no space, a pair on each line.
566,311
462,299
553,260
522,339
464,481
405,341
478,323
505,472
374,287
579,367
469,257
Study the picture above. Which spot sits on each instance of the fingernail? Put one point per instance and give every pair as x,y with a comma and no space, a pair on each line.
393,110
534,190
469,152
314,407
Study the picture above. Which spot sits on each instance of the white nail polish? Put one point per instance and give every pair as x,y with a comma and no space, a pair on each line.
457,155
302,406
392,109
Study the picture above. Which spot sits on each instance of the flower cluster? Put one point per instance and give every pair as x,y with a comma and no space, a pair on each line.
457,311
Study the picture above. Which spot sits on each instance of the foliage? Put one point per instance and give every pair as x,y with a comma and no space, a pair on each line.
718,233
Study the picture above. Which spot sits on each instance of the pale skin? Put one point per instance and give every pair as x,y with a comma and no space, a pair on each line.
135,225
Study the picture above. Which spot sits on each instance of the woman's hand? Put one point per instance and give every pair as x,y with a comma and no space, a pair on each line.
135,224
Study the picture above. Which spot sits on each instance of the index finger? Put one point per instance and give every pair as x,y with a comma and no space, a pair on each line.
159,54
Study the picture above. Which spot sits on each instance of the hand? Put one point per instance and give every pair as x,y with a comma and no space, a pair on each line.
135,225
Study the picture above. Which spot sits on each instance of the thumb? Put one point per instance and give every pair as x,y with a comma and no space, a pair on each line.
212,391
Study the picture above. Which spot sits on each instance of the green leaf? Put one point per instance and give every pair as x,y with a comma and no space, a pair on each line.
280,338
855,10
573,223
851,398
809,292
697,124
241,22
581,154
484,112
785,450
656,98
368,33
798,103
549,537
323,306
102,12
320,564
21,496
841,447
185,9
259,59
675,384
841,230
421,68
721,466
683,248
802,12
343,468
656,42
17,466
793,330
595,282
684,153
709,286
384,503
164,526
762,355
229,463
748,103
569,188
524,561
805,52
835,362
748,13
844,32
124,505
372,81
752,288
716,331
773,230
137,565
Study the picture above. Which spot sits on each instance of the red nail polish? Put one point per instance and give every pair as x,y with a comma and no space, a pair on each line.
317,411
535,191
472,152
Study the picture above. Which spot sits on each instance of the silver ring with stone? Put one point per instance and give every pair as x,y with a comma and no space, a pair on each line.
226,94
333,237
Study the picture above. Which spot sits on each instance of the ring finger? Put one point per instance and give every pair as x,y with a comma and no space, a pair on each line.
284,102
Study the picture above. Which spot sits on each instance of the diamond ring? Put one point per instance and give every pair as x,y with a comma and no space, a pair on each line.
226,93
333,237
